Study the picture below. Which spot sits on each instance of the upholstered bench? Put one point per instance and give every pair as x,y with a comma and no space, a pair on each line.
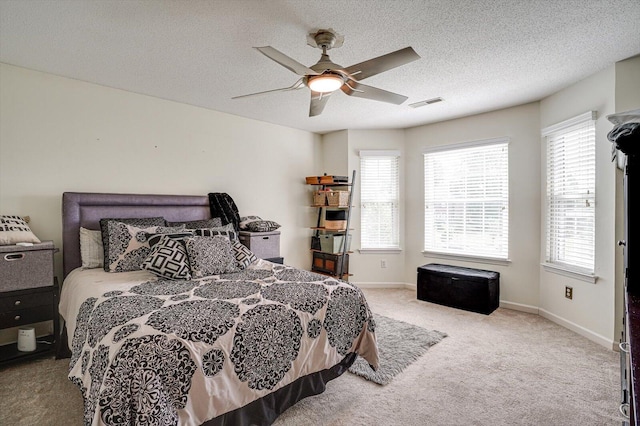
475,290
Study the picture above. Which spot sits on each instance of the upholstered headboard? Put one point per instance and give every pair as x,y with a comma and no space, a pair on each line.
85,209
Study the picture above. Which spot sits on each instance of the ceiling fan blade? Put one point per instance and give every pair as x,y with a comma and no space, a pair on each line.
359,90
318,101
297,85
285,61
382,63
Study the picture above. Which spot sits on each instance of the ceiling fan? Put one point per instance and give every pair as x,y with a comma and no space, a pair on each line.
325,77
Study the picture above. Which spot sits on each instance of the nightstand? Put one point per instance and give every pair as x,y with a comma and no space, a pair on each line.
28,294
265,245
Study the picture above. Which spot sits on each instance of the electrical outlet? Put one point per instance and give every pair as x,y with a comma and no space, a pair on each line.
568,292
383,263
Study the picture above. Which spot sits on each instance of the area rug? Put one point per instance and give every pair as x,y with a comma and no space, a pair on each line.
399,344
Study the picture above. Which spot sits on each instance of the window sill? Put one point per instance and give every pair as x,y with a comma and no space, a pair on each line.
582,276
478,259
380,251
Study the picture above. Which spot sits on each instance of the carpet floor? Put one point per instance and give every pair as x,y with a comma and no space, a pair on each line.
507,368
399,344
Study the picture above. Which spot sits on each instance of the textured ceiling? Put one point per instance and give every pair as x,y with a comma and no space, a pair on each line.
477,55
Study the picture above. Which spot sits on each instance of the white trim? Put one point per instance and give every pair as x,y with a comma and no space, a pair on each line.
594,337
382,285
579,119
465,258
378,153
469,144
582,276
519,307
380,250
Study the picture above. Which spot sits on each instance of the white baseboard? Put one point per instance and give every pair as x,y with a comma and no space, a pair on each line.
381,285
594,337
519,307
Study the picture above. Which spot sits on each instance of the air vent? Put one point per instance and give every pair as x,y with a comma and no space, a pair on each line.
427,102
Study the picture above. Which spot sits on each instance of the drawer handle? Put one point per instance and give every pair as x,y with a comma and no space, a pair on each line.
17,317
624,347
624,409
265,238
17,303
13,256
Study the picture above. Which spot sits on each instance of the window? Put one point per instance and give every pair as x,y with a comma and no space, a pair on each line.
570,194
379,200
466,194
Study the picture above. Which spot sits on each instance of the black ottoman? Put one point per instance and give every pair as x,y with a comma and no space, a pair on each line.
470,289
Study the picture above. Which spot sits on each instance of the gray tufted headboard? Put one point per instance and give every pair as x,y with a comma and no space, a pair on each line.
85,209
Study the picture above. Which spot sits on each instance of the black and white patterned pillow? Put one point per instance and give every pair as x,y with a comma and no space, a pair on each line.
168,259
126,245
197,224
262,226
154,239
112,233
210,255
245,220
244,257
226,231
14,229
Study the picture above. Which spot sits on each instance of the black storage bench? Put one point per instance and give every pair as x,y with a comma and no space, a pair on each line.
470,289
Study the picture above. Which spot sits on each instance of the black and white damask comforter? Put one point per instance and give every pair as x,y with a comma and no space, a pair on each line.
159,352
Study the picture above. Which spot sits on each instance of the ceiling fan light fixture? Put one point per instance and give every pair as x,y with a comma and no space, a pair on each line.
325,83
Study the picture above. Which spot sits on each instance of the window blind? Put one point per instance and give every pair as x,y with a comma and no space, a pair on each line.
570,193
379,200
466,193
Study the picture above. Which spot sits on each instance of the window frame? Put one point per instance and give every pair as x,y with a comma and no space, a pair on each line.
552,261
392,246
501,257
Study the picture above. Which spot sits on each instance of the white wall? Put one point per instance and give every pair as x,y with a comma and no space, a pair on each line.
58,134
518,279
592,309
366,267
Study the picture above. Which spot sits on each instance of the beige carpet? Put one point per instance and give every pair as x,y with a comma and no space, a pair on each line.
508,368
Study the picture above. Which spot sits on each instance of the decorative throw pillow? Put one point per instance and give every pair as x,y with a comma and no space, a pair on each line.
14,229
168,259
196,224
244,256
91,248
226,230
154,239
210,256
262,226
107,226
245,220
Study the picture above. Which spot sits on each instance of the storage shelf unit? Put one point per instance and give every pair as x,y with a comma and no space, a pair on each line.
333,264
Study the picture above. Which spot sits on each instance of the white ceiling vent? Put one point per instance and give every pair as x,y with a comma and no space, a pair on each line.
427,102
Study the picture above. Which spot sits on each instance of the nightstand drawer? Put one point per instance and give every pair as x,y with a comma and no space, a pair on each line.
19,300
263,244
26,267
25,316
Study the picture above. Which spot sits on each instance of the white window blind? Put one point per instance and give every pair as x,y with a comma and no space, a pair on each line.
570,216
379,200
466,193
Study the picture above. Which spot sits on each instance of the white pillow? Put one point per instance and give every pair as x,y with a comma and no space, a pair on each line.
91,248
14,229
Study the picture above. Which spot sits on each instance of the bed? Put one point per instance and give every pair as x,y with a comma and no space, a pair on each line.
237,348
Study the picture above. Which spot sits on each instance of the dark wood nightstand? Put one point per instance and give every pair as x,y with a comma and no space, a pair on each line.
29,294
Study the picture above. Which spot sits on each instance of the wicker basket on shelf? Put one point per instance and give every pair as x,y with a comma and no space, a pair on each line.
338,198
320,198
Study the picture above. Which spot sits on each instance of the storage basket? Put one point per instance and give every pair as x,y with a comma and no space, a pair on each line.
332,243
335,224
320,198
338,198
